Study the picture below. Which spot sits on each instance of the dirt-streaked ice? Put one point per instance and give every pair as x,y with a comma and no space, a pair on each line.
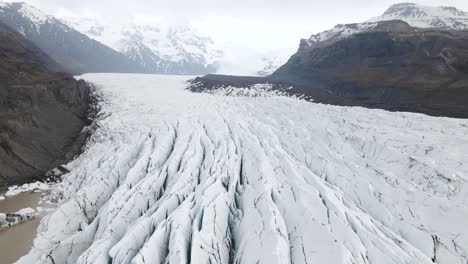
176,177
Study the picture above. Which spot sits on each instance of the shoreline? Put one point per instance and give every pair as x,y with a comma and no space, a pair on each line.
16,240
29,195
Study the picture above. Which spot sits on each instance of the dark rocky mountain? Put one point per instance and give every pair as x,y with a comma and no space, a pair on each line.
388,65
42,113
76,52
391,66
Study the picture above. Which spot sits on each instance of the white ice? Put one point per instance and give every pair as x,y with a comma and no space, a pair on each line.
176,177
25,214
27,187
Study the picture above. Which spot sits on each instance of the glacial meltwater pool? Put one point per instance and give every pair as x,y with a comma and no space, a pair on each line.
17,240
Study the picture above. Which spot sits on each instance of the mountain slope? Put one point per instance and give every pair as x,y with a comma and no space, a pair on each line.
158,48
41,113
177,177
418,64
382,64
391,66
443,18
76,52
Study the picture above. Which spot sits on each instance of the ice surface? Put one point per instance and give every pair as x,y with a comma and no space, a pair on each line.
27,187
10,219
176,177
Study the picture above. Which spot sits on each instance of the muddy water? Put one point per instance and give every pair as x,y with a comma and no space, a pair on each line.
17,240
20,201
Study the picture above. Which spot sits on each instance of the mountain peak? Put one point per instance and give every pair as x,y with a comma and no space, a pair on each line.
444,17
399,16
342,31
400,6
411,9
160,47
27,11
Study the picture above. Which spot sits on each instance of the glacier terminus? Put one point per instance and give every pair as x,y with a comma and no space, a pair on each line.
170,176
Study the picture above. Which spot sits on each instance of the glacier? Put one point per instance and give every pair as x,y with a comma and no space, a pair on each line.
171,176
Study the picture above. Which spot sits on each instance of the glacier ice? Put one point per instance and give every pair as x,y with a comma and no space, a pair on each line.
171,176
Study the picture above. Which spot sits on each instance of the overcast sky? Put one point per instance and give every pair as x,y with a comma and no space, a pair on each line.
241,24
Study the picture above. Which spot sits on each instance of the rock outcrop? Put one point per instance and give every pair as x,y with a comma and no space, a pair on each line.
388,65
42,113
392,66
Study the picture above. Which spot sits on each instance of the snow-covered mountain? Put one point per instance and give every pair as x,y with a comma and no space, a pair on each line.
426,16
447,18
271,62
341,32
76,52
171,176
159,48
252,63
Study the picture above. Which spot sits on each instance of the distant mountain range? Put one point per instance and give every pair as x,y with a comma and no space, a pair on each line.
87,45
412,58
271,62
166,49
82,45
76,52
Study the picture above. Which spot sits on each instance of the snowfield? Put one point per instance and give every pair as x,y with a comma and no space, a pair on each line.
176,177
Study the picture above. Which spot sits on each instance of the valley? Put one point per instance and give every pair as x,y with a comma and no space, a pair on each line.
174,176
125,138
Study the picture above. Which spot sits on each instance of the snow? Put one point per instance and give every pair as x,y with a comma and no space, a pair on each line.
171,176
26,211
36,17
10,219
426,16
170,42
342,31
272,61
34,14
27,187
413,14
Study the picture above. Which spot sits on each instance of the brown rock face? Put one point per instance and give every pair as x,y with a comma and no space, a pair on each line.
394,67
42,113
